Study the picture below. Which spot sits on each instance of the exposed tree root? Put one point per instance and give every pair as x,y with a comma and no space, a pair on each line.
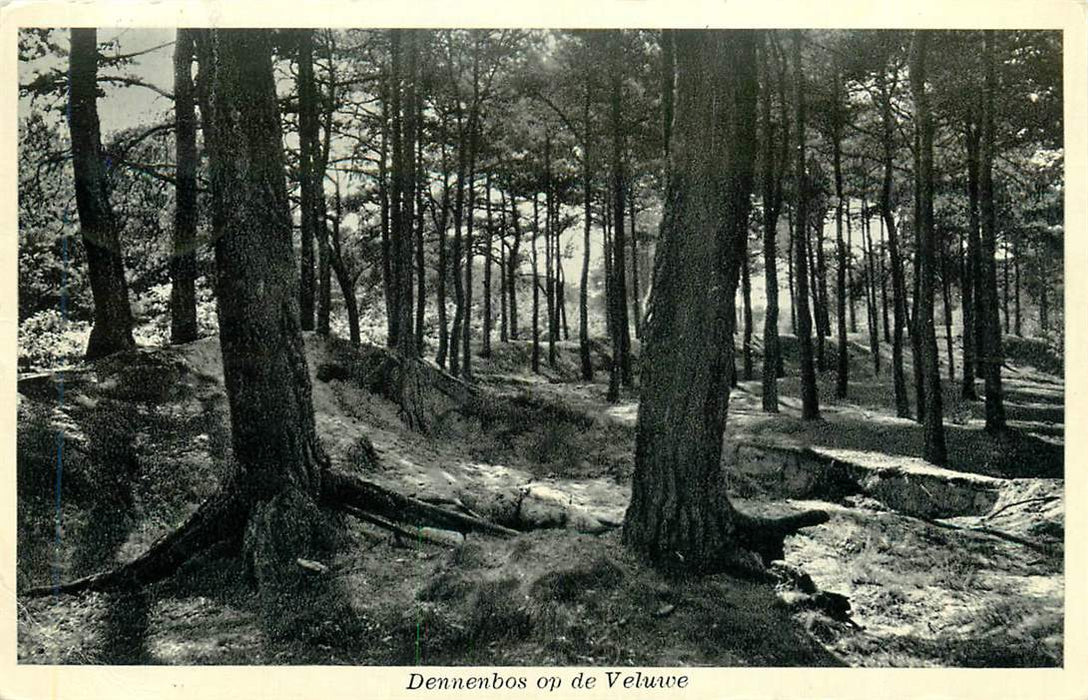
225,516
344,489
766,536
222,517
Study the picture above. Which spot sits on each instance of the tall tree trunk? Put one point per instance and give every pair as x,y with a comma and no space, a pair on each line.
746,300
870,272
970,283
388,288
810,406
421,262
816,300
112,328
274,440
1044,304
536,286
504,321
934,449
946,292
621,339
992,353
842,376
680,516
513,262
455,251
850,269
1017,327
899,301
311,204
587,216
883,283
772,199
790,257
636,299
443,262
1005,284
485,340
549,280
183,327
343,278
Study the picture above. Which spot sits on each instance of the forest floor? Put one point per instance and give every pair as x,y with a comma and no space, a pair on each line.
955,567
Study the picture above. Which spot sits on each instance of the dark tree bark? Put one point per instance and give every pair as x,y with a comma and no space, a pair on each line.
504,321
183,328
934,449
816,300
311,191
485,340
946,292
621,339
455,249
536,286
274,440
850,300
587,201
343,278
388,287
810,405
870,273
992,354
790,257
636,298
969,286
883,283
746,301
842,375
112,328
513,262
443,262
421,186
1017,327
772,203
899,302
549,280
680,516
1005,288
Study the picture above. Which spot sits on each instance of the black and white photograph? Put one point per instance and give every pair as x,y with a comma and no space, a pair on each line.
622,349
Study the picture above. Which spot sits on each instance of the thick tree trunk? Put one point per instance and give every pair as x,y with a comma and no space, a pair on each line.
810,405
815,301
680,516
183,328
112,328
934,449
850,300
899,302
280,460
991,351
